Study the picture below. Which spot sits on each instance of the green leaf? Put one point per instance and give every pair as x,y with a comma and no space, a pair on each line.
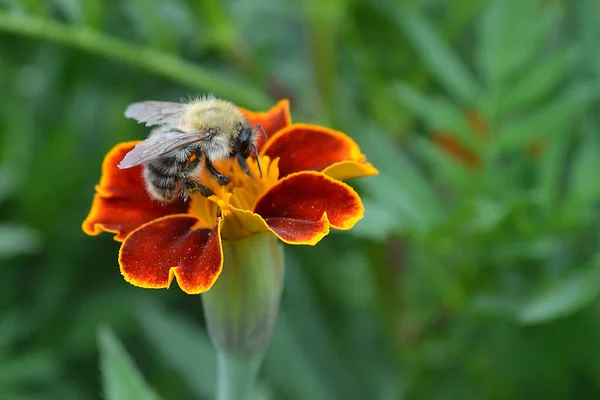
71,9
183,346
493,304
566,296
112,306
120,378
539,81
16,240
93,12
586,21
509,36
401,187
399,201
379,223
584,185
439,57
288,365
462,15
151,25
550,120
13,326
8,181
444,166
29,369
13,5
303,359
439,113
38,7
486,215
161,63
550,172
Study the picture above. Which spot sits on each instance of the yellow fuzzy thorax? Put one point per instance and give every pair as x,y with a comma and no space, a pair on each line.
212,113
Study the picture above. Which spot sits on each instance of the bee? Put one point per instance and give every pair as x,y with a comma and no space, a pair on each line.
186,138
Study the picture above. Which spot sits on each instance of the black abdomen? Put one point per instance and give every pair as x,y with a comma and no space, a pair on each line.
163,177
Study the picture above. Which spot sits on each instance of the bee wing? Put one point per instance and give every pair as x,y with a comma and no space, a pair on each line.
160,144
155,112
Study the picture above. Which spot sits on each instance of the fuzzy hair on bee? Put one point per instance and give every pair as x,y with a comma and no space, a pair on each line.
187,137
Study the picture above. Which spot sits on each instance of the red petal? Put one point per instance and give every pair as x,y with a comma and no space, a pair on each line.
295,231
271,121
121,203
301,207
292,231
170,246
303,147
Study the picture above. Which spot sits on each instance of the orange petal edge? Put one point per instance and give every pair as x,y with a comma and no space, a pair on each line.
173,270
255,223
346,225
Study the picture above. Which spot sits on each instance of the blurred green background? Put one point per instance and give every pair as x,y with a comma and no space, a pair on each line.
475,273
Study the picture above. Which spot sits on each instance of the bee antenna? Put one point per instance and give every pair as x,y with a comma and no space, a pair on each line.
260,128
257,160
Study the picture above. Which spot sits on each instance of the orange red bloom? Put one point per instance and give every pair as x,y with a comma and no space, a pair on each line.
299,198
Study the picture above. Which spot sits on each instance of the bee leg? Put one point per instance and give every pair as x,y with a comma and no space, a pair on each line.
256,158
260,128
193,186
222,179
243,163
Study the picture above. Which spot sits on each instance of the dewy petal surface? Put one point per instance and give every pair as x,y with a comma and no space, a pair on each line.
121,203
301,207
304,147
272,121
172,247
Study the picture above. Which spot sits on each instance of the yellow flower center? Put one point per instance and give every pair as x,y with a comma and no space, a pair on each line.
242,192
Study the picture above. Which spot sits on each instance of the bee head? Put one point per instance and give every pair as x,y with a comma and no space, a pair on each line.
244,141
244,144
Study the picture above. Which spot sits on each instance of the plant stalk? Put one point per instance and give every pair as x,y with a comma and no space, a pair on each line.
236,376
241,309
160,63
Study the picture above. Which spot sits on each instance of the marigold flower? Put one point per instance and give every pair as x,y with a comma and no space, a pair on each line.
298,199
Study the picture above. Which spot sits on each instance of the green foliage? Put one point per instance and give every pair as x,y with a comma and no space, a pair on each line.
464,280
438,57
15,240
569,294
187,345
120,378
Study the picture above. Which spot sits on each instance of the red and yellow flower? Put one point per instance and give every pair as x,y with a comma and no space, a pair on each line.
299,198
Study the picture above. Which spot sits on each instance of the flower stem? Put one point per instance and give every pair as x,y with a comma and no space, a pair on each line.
236,376
241,309
157,62
242,306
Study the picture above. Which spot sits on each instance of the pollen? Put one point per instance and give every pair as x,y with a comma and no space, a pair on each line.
242,192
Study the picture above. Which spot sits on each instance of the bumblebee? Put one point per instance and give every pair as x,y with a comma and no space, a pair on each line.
186,138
